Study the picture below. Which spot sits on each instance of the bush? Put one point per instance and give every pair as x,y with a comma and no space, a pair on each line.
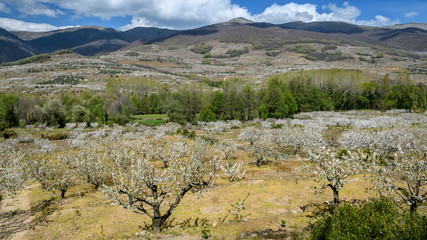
63,51
201,49
237,52
379,219
311,58
121,119
303,49
8,134
206,62
272,53
329,47
65,79
34,59
57,136
132,54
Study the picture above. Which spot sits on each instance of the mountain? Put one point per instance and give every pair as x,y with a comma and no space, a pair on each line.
92,40
325,27
73,38
13,48
147,34
414,39
409,25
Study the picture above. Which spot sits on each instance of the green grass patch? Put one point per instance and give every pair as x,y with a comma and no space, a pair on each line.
150,117
34,59
149,122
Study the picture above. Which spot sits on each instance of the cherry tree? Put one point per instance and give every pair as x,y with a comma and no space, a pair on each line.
228,148
263,151
55,171
333,168
296,139
155,192
233,172
93,162
250,134
44,145
405,177
12,172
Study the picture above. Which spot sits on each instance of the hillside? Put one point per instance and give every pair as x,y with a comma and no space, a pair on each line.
12,48
92,40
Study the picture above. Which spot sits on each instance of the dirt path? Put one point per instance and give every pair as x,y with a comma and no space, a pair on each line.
15,216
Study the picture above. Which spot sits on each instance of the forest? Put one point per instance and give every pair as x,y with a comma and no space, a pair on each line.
233,99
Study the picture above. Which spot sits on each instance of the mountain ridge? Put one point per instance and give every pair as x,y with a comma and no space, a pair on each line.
92,40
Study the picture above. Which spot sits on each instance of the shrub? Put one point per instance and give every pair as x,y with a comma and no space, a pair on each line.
121,119
132,54
63,51
272,53
379,219
8,134
303,49
237,52
311,58
33,59
58,136
206,62
329,47
201,49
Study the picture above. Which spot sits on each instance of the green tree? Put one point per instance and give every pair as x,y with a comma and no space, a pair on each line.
207,114
279,100
8,104
54,113
249,103
379,219
217,102
80,114
96,109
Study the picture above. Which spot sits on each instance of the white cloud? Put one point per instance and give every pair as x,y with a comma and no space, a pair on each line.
4,8
183,14
136,22
307,13
177,13
194,13
411,14
34,7
17,25
378,21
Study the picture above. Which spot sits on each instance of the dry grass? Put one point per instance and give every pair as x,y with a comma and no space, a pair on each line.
276,193
152,64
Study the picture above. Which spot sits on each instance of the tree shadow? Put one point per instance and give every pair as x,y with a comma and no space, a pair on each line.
12,222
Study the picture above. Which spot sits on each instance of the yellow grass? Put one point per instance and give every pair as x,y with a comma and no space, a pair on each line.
278,191
275,194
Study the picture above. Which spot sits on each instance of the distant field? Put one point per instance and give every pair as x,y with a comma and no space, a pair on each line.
150,119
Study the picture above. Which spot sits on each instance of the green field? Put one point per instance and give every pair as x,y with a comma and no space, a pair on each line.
151,119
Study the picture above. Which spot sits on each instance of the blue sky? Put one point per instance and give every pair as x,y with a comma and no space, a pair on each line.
47,15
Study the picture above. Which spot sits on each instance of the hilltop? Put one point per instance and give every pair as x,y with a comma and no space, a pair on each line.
92,40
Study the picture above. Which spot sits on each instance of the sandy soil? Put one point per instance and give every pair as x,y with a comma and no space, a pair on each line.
15,216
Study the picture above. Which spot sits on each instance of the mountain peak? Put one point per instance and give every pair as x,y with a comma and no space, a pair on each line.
409,25
239,20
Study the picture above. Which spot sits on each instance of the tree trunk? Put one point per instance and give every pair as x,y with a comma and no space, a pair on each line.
336,198
157,224
158,220
63,193
414,207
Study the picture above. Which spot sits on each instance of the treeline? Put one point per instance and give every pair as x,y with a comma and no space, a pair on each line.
282,96
33,59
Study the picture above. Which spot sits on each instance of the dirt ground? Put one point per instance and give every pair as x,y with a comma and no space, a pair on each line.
15,216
